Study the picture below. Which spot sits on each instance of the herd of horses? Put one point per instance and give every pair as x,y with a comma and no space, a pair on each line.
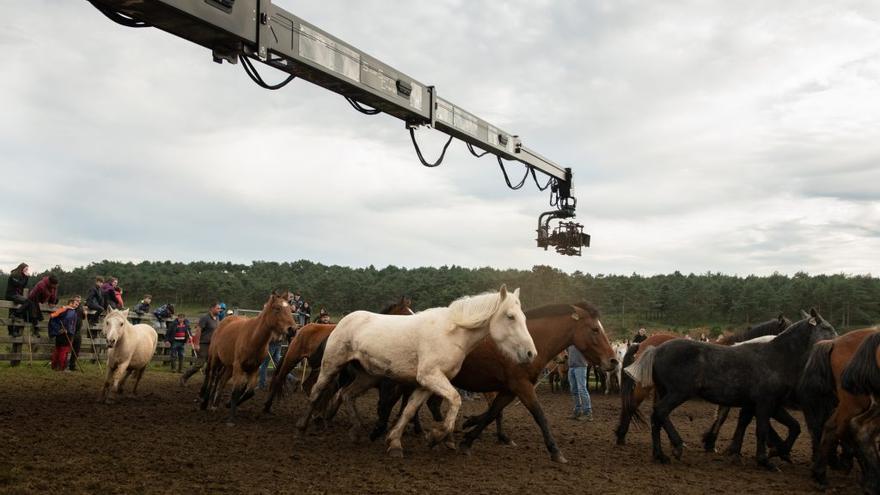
487,344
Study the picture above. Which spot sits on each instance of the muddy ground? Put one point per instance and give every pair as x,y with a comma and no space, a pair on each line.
55,437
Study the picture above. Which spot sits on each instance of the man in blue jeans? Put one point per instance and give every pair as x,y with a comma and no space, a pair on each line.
275,357
577,381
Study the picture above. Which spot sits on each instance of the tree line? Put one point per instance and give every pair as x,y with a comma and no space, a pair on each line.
673,300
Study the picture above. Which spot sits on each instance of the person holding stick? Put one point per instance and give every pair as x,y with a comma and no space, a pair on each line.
204,331
179,334
62,324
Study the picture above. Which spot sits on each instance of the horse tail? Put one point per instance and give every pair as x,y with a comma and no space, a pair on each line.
629,407
862,375
816,391
642,370
206,385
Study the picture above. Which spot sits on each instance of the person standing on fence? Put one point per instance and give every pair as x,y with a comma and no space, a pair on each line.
179,334
577,382
204,331
97,305
306,311
62,327
45,292
142,308
15,285
113,294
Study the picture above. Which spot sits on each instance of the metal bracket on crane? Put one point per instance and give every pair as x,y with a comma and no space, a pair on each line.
258,29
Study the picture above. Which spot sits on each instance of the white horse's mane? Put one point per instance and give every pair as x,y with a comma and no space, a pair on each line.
476,311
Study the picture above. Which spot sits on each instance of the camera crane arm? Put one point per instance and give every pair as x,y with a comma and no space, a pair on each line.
245,30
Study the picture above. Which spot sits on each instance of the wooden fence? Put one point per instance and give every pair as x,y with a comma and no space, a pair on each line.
26,347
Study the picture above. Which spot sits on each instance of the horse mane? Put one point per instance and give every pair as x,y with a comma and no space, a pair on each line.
769,327
552,310
862,375
387,309
475,311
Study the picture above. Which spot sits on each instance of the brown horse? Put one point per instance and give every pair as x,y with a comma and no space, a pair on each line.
820,388
238,347
557,372
553,328
862,377
308,343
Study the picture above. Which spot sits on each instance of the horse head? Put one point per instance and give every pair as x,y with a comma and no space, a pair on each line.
508,329
114,323
590,338
278,315
820,329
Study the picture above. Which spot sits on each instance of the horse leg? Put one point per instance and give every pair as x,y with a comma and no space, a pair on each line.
865,428
781,448
121,387
418,397
119,377
108,380
745,417
436,382
329,370
352,391
711,434
478,423
218,385
526,394
834,431
663,407
631,398
239,387
137,380
762,427
389,394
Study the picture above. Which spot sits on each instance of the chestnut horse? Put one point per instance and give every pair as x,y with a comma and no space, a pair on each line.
862,377
308,343
828,407
553,328
238,348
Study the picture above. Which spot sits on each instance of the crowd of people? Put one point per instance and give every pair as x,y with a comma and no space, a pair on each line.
66,326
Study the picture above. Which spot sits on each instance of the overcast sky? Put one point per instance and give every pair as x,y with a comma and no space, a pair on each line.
740,137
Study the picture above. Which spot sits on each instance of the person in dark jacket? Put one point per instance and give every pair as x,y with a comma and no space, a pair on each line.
62,327
142,308
206,326
179,334
640,336
96,304
45,292
306,312
15,284
76,340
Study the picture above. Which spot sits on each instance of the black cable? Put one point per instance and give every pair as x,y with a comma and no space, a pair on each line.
535,177
507,179
412,134
478,155
360,108
118,17
255,76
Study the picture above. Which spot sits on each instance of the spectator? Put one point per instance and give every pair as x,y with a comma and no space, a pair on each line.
323,317
640,336
97,305
163,314
77,336
45,292
703,338
577,382
222,313
113,294
142,308
179,335
306,312
204,330
62,326
295,306
275,357
15,284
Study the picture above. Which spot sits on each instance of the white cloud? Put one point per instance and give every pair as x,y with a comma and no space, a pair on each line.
740,138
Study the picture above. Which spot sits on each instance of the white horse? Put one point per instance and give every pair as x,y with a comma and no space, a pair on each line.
612,378
426,349
129,350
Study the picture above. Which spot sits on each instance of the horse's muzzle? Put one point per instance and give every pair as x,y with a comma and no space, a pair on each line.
610,365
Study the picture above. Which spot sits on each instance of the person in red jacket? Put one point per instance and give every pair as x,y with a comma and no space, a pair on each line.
45,292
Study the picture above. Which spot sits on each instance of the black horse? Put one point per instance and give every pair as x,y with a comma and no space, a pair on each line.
761,378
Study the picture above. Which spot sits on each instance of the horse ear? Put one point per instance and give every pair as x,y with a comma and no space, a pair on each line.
574,314
502,292
125,314
781,318
805,315
516,293
814,313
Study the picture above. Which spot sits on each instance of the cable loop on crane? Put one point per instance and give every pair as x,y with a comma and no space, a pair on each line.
535,177
470,148
507,179
412,135
360,108
255,76
120,18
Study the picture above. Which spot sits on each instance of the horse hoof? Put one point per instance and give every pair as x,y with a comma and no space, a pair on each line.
230,424
451,444
661,459
466,450
676,452
558,457
769,466
398,453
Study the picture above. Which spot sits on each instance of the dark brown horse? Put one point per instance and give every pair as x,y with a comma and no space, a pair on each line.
828,408
308,343
238,347
862,377
553,328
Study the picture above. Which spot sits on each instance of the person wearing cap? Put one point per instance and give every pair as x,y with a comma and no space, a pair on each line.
222,313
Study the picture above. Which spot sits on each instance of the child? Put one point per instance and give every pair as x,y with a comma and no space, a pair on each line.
142,308
62,326
178,335
113,294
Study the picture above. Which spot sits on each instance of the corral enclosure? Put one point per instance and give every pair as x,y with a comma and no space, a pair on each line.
58,438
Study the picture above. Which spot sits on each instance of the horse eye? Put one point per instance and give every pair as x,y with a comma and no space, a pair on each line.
510,317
